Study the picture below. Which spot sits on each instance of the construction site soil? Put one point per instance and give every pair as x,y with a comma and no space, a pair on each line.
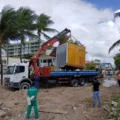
58,103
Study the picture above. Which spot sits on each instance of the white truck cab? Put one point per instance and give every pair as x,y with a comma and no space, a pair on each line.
109,71
16,76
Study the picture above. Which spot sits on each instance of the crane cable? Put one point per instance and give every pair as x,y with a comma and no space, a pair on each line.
77,41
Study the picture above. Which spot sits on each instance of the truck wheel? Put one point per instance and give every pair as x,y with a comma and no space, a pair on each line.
74,83
25,85
82,81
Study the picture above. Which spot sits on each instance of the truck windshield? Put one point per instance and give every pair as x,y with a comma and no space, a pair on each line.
10,70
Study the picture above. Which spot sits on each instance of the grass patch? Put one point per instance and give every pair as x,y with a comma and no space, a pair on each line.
116,99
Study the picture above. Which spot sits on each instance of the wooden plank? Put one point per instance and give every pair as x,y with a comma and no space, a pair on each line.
55,111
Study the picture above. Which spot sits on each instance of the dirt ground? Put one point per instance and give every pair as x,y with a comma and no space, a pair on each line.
60,103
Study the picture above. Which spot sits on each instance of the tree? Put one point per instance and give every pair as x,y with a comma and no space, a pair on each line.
28,56
90,66
117,60
42,26
25,18
7,30
117,43
5,47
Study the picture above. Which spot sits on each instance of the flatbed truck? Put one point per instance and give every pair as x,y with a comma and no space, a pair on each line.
21,75
17,77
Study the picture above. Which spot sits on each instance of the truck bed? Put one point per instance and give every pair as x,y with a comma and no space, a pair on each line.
74,73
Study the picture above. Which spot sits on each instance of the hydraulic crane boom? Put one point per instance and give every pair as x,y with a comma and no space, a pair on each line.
46,45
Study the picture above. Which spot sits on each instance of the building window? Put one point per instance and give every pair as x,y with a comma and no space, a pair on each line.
40,61
4,61
49,60
44,61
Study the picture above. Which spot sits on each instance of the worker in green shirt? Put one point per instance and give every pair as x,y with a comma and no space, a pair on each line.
32,102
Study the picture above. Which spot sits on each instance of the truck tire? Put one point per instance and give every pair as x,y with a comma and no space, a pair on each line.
74,83
82,81
25,85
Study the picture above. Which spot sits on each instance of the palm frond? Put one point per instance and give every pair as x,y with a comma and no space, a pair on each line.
114,45
46,36
7,17
29,33
43,21
7,27
7,8
49,30
42,25
25,18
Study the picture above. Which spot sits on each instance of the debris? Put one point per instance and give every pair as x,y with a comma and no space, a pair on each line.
60,103
114,103
111,114
67,116
1,103
74,108
106,108
119,118
55,111
4,108
112,119
16,103
84,112
113,109
3,113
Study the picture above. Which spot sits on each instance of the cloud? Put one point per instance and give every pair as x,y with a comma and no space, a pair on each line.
82,18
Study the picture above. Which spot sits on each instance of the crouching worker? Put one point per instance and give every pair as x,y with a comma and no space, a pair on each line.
96,92
32,102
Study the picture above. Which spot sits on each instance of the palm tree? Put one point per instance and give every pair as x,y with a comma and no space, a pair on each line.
7,30
5,47
25,25
42,26
114,45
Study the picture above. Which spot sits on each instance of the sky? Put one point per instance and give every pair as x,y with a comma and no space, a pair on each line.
87,20
103,4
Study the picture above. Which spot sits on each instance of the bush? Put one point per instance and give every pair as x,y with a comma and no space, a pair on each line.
90,66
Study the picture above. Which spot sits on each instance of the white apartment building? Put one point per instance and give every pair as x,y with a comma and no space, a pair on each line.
30,47
45,60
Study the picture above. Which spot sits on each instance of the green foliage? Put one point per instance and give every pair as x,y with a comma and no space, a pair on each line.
7,27
117,43
90,66
28,56
25,18
117,60
19,24
62,38
8,30
42,25
117,99
51,47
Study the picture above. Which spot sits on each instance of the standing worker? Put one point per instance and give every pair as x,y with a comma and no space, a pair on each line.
36,78
118,77
32,102
96,92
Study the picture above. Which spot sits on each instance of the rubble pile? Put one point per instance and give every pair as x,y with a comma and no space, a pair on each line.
113,109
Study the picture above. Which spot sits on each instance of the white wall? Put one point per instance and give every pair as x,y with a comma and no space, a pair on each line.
11,60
